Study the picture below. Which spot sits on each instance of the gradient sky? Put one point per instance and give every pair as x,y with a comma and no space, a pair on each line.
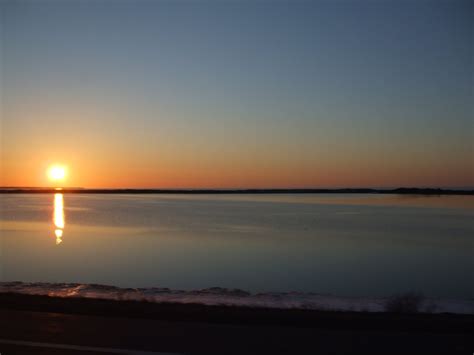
238,93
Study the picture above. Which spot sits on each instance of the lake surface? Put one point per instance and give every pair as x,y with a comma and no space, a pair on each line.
347,245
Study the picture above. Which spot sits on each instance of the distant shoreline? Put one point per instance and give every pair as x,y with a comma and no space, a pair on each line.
397,191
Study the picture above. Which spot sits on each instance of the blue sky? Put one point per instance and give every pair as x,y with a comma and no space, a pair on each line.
239,93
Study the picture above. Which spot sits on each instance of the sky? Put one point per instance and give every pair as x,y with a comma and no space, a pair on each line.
237,94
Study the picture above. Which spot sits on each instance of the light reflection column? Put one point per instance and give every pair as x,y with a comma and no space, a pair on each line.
58,217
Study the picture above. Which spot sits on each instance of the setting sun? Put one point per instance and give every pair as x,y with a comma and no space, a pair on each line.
57,173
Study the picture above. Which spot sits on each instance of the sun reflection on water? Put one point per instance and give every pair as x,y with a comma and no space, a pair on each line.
58,217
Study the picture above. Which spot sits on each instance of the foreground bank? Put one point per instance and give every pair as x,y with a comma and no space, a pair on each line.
202,329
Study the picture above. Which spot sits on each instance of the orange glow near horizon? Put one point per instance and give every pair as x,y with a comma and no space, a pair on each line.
91,166
113,173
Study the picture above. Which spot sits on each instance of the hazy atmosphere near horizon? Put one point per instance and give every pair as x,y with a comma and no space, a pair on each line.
237,94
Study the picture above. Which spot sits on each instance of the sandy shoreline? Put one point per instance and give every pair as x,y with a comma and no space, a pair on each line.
217,296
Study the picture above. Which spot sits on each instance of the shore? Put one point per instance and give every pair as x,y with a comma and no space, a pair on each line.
232,297
194,328
441,322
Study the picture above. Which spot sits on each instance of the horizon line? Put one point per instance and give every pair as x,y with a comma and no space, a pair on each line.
396,190
241,188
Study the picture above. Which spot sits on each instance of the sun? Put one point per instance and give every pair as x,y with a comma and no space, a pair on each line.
57,173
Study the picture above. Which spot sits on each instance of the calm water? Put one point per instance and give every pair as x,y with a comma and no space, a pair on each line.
351,245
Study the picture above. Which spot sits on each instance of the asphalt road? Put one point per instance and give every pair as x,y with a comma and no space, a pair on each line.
27,332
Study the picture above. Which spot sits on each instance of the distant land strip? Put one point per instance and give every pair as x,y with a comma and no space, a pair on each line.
78,190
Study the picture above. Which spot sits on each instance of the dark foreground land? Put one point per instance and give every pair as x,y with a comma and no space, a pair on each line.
47,325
